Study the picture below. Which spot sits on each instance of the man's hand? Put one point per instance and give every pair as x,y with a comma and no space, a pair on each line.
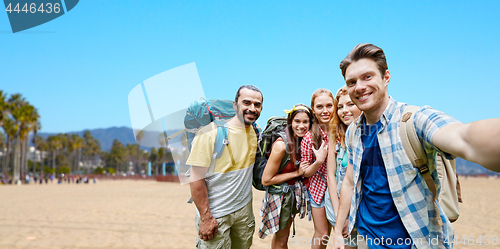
208,228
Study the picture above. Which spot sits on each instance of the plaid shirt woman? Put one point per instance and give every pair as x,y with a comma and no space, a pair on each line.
316,184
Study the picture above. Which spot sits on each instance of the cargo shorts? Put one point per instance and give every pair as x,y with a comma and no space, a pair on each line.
235,230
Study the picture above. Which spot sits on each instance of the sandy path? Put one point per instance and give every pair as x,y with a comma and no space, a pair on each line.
149,214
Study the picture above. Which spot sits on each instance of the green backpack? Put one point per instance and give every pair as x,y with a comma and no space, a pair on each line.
274,130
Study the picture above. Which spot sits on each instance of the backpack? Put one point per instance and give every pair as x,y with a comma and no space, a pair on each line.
450,194
273,131
201,113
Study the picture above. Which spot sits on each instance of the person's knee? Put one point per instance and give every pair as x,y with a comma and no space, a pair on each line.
281,241
282,238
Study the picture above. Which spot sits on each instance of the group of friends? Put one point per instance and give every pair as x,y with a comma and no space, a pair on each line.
361,185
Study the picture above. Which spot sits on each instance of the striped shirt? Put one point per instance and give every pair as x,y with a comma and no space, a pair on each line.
229,188
412,198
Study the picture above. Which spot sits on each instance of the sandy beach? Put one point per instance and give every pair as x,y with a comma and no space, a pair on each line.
150,214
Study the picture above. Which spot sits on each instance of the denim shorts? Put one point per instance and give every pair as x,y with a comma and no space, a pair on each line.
314,204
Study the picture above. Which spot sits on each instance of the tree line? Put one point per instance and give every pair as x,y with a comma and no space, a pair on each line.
62,153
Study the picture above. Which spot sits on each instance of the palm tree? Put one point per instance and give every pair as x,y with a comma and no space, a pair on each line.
2,150
153,158
17,118
165,155
28,116
41,146
144,156
10,129
3,108
55,145
95,151
35,125
17,108
117,153
139,137
65,140
161,159
132,154
88,149
3,114
76,144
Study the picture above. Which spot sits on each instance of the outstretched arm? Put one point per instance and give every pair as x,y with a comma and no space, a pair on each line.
477,142
208,224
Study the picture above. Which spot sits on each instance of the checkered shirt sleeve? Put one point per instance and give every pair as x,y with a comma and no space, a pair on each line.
316,185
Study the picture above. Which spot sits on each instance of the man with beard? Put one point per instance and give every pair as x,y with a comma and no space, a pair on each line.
223,199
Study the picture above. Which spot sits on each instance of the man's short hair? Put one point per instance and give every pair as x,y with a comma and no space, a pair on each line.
365,51
250,87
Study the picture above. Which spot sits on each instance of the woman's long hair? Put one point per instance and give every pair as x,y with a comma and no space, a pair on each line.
337,127
294,142
315,131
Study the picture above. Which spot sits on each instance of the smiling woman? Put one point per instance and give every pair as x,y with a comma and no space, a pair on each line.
314,149
345,113
283,169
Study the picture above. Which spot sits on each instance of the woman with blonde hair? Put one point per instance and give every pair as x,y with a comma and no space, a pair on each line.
345,113
314,152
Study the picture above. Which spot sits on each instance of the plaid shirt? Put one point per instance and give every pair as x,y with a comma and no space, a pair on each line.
316,185
413,200
271,209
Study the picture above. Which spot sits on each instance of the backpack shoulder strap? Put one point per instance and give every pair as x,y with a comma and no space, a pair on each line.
257,130
286,157
351,131
413,147
222,141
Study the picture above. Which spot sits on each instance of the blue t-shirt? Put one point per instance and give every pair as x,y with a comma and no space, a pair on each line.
377,217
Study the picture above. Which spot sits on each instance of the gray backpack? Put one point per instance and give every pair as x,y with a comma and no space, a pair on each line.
450,194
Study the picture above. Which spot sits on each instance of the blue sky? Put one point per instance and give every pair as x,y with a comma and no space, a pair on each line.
79,68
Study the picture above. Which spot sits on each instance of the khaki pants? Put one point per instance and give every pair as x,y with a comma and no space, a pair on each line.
362,244
235,230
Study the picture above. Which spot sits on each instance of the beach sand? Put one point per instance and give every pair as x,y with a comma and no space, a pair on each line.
150,214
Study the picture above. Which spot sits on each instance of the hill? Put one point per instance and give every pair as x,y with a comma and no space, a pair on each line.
123,134
105,136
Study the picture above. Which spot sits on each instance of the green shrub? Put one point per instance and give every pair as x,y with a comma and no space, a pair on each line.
63,170
99,170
